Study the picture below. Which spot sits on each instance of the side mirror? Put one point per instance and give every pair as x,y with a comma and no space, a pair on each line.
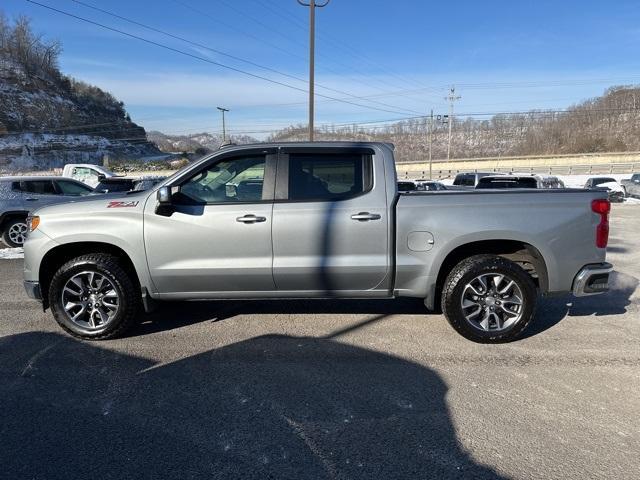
164,196
637,180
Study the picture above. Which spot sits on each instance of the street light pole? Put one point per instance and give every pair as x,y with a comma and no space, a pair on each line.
224,127
312,44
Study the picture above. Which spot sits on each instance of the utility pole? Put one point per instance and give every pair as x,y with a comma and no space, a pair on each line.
224,127
430,143
452,97
312,43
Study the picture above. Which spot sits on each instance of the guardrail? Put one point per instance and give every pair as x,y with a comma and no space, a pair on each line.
590,169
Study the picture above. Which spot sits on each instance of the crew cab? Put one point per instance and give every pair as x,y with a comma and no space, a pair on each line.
315,220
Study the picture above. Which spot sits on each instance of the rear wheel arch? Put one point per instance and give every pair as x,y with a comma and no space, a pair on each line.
522,253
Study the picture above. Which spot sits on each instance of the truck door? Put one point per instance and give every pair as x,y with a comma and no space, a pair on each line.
216,235
330,222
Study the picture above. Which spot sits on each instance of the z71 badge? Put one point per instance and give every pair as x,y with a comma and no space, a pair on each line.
122,204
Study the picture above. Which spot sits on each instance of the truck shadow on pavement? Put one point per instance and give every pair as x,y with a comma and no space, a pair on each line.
266,407
551,310
181,314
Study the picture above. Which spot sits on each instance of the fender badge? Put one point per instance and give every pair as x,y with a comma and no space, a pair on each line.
122,204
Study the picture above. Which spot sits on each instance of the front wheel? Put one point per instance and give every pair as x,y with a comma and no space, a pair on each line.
489,299
94,297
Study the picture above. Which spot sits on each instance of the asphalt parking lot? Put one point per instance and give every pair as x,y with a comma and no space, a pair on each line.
325,389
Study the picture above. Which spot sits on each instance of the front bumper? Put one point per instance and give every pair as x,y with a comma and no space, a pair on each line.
33,290
592,279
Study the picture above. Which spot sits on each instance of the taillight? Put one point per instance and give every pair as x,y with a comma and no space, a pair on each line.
602,207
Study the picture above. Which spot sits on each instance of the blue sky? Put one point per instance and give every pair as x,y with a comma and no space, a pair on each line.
400,54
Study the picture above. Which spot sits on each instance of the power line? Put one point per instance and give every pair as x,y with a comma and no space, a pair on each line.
203,59
234,57
297,23
342,46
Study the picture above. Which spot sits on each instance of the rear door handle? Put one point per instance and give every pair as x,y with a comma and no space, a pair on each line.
31,199
365,216
251,219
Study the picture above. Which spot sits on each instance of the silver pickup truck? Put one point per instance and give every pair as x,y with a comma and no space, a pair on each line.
315,220
631,186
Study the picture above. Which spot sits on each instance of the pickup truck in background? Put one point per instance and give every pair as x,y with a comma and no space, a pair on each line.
519,181
632,186
315,220
87,173
471,179
615,191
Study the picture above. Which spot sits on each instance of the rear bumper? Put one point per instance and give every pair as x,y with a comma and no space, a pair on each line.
592,279
33,290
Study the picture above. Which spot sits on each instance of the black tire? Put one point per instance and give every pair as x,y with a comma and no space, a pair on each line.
464,273
13,224
125,285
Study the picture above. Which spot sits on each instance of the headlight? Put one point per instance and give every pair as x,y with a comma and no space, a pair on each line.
33,222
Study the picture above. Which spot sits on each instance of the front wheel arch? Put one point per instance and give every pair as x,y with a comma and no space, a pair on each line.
58,256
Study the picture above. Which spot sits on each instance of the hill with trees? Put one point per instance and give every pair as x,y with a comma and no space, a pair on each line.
609,123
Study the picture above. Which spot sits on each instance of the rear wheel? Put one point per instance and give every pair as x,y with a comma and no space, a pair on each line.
94,297
15,232
489,299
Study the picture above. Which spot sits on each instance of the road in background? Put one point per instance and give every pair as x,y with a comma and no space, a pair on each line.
326,389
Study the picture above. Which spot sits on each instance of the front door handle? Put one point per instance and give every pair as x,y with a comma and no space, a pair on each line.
31,199
365,216
251,219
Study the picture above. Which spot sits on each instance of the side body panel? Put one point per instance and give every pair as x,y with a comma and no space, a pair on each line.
560,225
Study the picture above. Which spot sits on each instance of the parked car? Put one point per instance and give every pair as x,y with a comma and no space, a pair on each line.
471,179
316,220
616,192
20,195
520,181
429,185
86,173
406,186
631,186
126,184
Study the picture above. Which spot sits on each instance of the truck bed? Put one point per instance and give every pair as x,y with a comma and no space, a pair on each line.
559,224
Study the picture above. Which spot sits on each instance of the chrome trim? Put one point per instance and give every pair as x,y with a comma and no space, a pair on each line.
582,278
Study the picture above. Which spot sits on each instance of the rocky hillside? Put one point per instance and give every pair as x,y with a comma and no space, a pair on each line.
48,119
198,142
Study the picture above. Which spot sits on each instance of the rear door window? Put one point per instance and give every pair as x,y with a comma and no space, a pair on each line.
328,176
37,187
